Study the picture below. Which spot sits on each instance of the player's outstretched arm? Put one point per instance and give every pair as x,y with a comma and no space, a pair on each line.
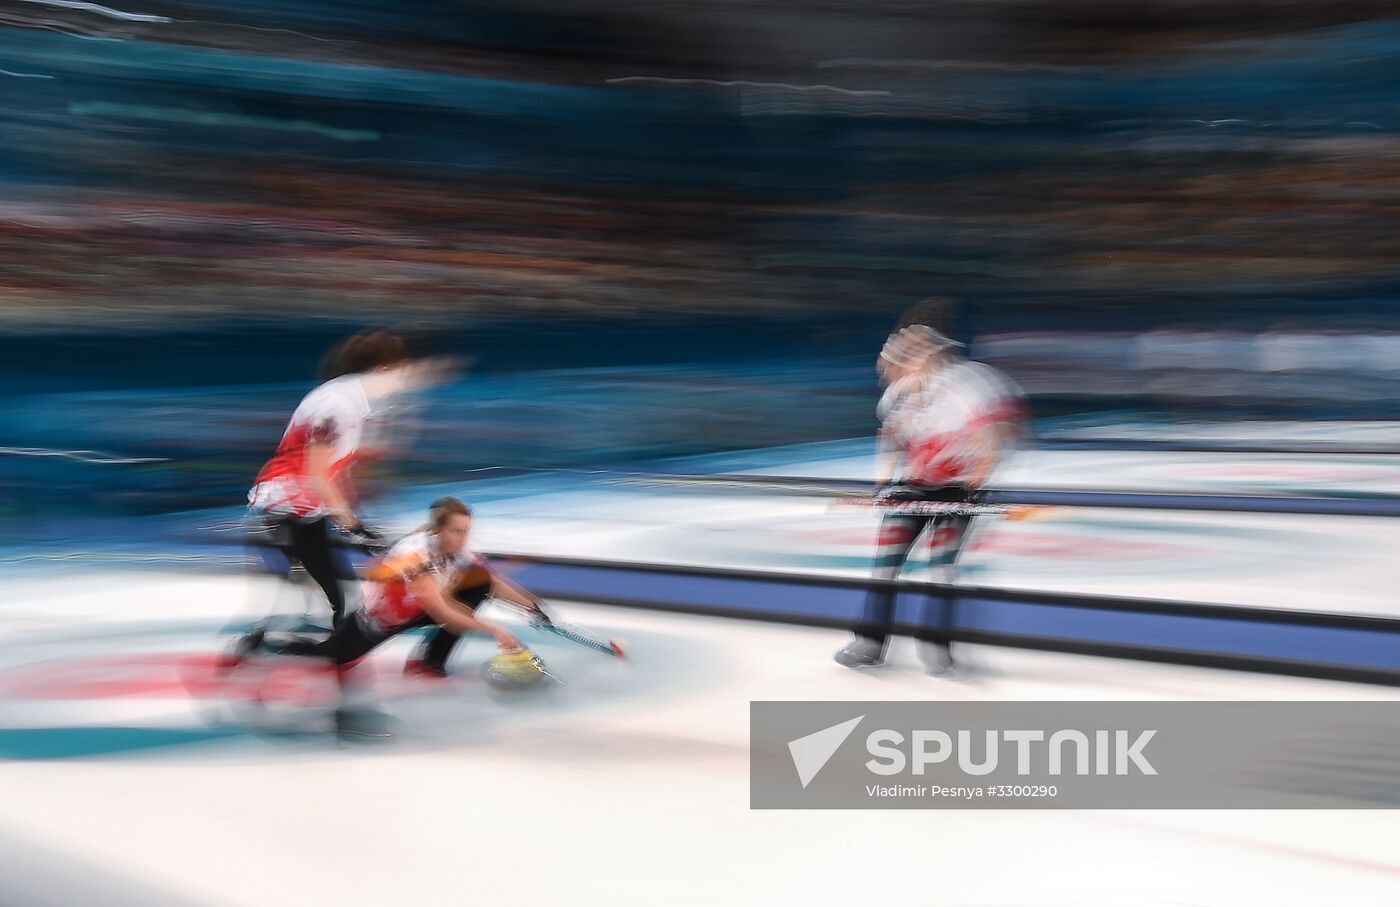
505,589
454,617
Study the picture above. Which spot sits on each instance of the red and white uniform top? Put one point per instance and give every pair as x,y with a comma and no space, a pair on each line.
389,602
936,419
335,413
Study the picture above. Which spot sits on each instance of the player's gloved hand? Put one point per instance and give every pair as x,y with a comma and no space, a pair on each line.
896,494
538,615
363,536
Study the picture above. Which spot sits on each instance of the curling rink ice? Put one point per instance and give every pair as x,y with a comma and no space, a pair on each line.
627,784
130,775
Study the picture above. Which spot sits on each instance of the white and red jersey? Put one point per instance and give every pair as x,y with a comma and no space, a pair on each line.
390,604
936,419
335,413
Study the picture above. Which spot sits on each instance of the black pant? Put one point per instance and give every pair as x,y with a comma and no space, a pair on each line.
437,647
898,535
306,542
353,640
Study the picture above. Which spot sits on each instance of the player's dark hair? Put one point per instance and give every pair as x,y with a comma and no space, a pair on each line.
364,352
444,509
938,312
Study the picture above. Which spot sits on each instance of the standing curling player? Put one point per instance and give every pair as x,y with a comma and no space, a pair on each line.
945,424
307,486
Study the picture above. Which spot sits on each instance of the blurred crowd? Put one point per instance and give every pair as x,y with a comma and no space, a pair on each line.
1286,370
198,158
1143,204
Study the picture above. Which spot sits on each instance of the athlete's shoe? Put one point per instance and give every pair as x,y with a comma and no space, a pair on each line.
939,662
937,657
861,653
242,647
362,723
417,667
